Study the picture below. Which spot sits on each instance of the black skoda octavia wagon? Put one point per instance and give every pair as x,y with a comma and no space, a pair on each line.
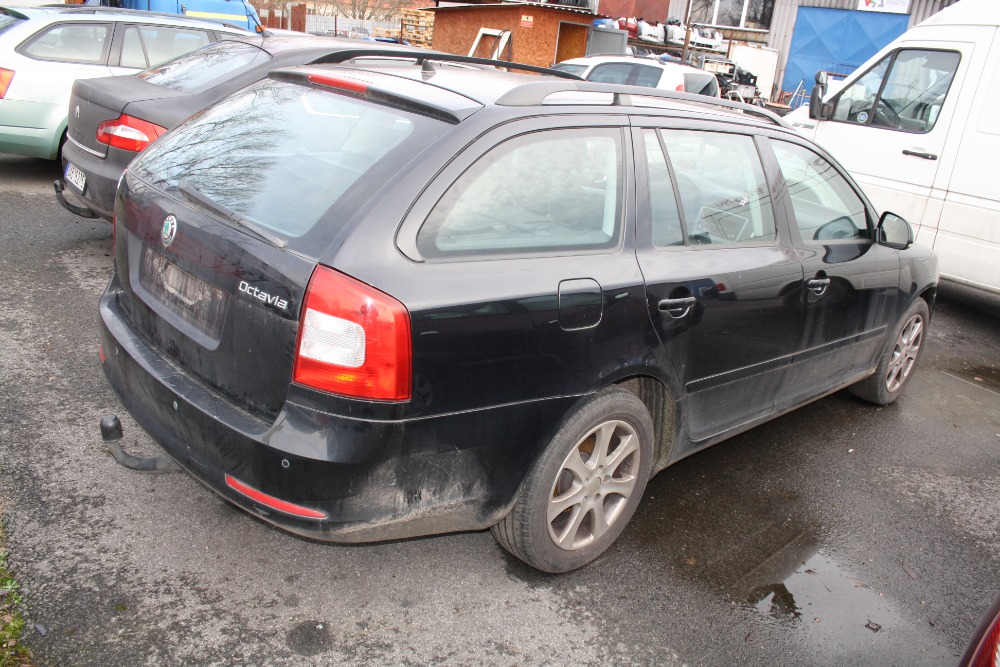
374,302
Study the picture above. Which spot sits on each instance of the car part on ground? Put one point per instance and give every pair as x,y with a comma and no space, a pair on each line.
565,287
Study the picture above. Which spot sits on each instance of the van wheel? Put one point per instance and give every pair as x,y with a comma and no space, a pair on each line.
899,359
585,486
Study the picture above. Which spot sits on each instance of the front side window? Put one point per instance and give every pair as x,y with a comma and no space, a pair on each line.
552,190
754,14
904,91
71,43
723,194
826,206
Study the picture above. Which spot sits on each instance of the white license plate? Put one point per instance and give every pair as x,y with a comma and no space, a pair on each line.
76,177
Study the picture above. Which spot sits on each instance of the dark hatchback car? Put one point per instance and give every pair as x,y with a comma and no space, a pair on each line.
366,304
113,119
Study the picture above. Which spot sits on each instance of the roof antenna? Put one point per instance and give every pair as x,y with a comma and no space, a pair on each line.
427,70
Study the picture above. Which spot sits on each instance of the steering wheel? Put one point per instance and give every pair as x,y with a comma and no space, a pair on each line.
885,115
837,229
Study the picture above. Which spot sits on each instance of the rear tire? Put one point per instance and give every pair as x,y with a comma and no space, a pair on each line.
899,359
585,486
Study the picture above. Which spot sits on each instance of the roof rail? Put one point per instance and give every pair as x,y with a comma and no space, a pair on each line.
535,93
422,56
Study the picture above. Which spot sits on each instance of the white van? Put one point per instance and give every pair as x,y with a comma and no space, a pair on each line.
918,126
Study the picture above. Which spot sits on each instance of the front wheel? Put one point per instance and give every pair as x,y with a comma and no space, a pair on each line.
584,488
899,359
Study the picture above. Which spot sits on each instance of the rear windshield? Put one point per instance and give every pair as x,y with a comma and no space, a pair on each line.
200,70
288,157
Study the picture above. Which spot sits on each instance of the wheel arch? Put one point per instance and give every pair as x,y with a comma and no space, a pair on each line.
662,406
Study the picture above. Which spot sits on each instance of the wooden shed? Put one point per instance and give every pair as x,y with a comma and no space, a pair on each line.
540,34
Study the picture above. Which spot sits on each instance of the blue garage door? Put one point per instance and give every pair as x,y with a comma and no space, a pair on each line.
837,41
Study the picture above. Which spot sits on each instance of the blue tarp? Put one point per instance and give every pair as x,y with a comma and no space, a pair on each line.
837,41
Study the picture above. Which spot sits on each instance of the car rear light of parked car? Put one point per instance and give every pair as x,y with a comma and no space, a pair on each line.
353,340
986,651
272,502
128,133
6,76
340,82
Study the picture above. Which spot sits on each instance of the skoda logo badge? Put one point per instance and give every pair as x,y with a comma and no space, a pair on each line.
169,230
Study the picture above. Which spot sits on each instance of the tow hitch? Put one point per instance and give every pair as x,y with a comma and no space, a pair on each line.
111,433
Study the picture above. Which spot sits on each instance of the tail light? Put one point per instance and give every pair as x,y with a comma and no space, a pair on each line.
6,76
128,133
679,88
984,648
353,340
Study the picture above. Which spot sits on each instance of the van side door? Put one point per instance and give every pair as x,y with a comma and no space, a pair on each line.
890,125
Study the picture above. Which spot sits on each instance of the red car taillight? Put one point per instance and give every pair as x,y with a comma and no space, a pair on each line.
353,340
6,76
128,133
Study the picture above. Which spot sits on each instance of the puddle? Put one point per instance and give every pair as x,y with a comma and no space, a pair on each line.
801,587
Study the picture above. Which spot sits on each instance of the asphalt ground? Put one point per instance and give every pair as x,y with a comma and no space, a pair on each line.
840,534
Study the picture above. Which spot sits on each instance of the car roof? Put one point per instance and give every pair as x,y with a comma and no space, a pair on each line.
626,58
493,87
280,42
52,14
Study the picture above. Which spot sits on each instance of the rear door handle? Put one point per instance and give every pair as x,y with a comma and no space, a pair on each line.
926,156
677,308
818,285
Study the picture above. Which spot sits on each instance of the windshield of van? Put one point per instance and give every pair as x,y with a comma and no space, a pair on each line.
200,70
286,157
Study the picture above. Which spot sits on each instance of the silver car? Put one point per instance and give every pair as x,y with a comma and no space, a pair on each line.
44,49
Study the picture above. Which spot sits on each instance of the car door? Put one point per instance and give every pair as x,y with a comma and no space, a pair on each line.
722,279
851,287
139,46
64,51
889,126
520,245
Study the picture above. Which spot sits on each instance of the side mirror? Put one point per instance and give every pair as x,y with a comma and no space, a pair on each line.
816,111
894,232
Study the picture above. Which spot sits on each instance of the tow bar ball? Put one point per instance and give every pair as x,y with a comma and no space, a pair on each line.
111,433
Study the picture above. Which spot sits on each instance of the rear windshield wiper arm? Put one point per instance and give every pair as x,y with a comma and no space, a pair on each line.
199,197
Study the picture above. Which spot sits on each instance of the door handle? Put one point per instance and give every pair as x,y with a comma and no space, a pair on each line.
677,308
926,156
818,285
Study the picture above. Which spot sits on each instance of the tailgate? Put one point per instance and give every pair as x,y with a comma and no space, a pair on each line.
221,305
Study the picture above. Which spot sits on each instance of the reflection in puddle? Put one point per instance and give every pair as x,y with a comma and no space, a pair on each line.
804,588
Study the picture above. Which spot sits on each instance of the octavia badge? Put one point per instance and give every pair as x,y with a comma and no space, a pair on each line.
169,230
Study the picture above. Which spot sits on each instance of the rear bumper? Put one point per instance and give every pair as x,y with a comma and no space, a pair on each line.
374,479
102,174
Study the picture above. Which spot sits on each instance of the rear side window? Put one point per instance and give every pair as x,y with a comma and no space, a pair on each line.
206,67
701,84
163,43
286,157
552,190
71,43
724,197
611,73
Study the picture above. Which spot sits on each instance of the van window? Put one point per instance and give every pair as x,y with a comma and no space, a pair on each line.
904,91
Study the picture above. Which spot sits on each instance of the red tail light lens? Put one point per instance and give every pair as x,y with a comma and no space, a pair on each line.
128,133
679,88
353,340
6,76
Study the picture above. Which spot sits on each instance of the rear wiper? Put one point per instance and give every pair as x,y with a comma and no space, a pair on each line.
199,197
